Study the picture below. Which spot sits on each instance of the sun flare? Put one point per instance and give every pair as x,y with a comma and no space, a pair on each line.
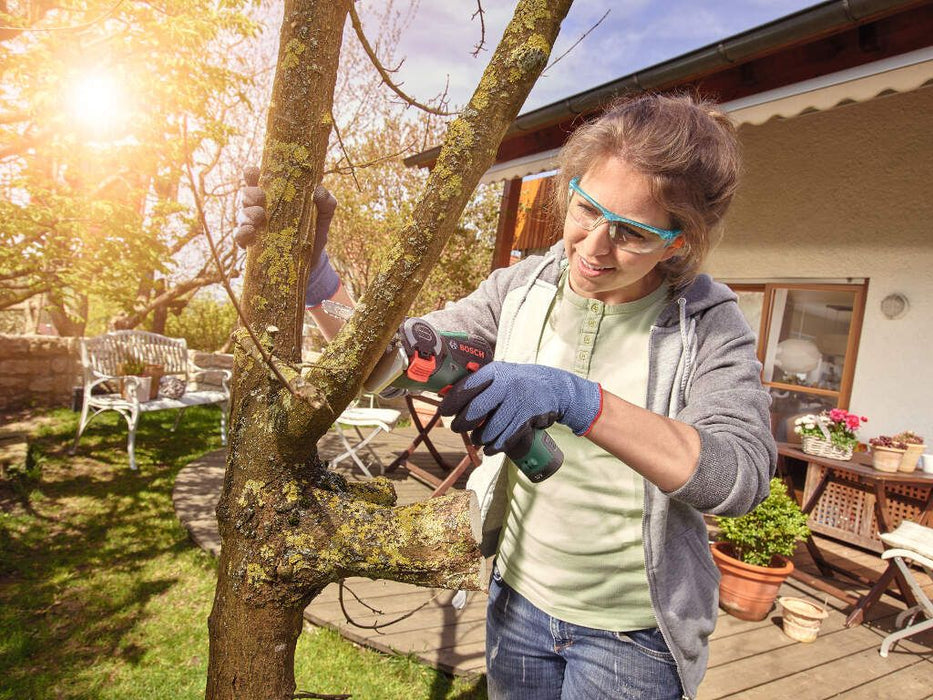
96,102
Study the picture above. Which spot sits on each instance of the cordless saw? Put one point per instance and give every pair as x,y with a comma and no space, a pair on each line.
421,358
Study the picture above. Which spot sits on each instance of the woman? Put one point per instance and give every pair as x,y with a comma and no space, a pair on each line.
603,584
644,373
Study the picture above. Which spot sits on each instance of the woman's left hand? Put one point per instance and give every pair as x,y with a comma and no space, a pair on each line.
502,402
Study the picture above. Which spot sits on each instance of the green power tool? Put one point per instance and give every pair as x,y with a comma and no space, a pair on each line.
421,358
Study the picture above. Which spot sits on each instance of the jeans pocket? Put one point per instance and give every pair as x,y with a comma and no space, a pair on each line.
496,576
650,642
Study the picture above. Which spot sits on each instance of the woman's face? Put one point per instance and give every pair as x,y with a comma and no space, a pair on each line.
598,269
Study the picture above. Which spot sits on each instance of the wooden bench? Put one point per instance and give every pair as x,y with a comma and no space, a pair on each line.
103,359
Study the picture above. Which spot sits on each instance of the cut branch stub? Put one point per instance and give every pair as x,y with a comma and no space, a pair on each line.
314,536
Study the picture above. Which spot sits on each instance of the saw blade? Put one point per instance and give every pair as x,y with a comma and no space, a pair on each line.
336,309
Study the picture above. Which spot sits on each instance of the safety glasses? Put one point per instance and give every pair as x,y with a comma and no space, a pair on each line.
627,234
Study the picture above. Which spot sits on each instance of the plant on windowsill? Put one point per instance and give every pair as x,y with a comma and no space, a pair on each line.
898,452
753,553
829,434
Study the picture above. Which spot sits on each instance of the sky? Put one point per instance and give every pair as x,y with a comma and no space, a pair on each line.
439,37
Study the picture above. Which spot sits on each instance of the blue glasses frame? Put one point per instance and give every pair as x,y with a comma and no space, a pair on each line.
667,235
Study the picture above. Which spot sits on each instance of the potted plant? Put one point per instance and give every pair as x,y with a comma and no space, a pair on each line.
139,380
753,550
829,434
891,453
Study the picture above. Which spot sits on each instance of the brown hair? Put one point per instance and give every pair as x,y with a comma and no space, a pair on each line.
685,146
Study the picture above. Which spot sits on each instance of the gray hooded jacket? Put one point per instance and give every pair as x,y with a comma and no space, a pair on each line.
702,371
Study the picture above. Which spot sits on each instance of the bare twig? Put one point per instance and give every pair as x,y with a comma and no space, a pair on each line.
377,625
339,170
383,73
226,282
574,45
346,153
481,45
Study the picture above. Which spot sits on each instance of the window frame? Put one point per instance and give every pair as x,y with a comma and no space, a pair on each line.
768,289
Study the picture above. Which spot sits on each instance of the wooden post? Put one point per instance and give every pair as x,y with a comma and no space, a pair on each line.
508,215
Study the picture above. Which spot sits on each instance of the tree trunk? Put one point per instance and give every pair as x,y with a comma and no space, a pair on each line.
288,525
68,320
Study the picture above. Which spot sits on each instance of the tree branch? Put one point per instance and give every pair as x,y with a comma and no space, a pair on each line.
481,44
384,74
576,43
226,283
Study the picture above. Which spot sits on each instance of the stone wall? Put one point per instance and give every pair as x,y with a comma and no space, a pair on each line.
38,370
42,370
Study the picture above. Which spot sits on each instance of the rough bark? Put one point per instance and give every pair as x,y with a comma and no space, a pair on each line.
289,526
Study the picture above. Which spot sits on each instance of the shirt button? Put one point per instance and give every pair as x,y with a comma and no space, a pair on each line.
594,306
587,340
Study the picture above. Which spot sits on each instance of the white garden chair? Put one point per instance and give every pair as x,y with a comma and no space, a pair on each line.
360,418
910,543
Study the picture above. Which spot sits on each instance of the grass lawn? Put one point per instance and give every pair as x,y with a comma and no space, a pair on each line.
102,594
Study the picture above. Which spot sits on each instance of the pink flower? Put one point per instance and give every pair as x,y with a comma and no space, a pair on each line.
837,415
852,422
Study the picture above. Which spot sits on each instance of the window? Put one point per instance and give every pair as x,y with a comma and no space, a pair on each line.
807,343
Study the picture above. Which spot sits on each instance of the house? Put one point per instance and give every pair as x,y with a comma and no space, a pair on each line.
827,242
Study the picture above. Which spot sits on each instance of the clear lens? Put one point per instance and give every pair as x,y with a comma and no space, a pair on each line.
631,239
623,236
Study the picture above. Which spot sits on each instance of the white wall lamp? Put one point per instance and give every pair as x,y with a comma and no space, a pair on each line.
894,306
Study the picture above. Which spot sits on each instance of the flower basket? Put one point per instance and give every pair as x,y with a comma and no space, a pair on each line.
824,448
911,457
886,459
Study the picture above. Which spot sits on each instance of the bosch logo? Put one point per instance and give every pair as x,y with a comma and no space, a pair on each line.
452,344
471,350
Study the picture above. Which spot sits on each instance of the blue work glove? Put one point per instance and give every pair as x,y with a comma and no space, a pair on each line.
503,403
251,216
323,281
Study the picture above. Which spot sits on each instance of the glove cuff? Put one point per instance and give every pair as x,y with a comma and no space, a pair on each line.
323,282
587,406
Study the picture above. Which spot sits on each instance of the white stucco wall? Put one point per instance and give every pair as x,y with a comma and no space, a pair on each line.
848,193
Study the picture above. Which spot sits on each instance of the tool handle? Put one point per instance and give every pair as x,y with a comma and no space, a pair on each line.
539,458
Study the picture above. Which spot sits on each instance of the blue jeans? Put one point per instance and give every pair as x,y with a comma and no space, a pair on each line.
533,656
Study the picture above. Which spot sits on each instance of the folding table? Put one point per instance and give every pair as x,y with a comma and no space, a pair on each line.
470,459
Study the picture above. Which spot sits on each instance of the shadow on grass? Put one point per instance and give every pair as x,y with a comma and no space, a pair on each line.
88,549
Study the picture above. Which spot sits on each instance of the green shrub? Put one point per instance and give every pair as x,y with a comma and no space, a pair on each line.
774,527
205,323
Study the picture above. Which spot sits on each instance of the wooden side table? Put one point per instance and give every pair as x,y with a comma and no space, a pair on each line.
873,501
470,459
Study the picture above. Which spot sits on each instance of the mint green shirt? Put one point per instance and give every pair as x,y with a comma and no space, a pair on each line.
572,544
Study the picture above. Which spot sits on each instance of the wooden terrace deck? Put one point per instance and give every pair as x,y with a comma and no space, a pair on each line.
747,659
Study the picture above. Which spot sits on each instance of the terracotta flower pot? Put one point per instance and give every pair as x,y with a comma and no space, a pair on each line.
886,459
747,591
801,619
911,457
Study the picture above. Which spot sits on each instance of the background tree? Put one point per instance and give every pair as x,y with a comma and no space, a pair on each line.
289,527
103,103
